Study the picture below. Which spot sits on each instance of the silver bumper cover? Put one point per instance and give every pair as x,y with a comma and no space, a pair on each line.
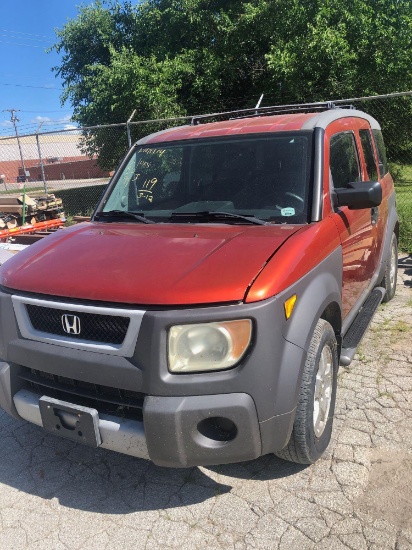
117,434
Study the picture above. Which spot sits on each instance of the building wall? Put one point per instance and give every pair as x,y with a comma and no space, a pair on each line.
71,168
67,170
61,153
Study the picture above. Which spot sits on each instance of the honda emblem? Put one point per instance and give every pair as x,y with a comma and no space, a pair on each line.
71,324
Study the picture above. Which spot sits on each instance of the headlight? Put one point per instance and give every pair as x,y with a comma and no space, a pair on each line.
208,346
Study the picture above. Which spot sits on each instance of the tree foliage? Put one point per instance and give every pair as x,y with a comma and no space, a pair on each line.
174,57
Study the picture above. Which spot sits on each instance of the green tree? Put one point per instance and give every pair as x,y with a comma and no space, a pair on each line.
176,57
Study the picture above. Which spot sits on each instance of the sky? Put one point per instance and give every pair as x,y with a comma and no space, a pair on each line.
27,83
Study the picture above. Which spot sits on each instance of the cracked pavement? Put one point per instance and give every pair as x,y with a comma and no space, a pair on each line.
58,494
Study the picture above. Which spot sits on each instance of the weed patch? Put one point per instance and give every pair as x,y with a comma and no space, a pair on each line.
80,201
404,206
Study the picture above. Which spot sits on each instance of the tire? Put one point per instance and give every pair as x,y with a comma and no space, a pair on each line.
312,427
391,271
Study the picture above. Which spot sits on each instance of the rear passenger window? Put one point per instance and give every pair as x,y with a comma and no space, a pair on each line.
369,155
344,160
380,146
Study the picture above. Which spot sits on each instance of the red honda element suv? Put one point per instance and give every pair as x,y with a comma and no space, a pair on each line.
201,315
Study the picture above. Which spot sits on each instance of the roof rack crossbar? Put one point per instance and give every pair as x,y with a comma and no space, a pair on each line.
267,111
280,112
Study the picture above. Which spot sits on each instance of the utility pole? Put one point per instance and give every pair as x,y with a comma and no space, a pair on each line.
14,119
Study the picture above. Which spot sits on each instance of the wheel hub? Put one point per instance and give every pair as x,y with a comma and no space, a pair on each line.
392,272
323,392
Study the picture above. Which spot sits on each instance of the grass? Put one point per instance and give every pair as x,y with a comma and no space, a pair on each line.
391,328
387,394
402,175
384,325
80,201
404,205
401,326
70,218
20,191
361,356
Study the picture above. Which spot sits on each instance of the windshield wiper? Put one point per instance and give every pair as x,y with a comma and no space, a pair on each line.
138,216
217,216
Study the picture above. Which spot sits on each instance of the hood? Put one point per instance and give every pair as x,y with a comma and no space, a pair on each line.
160,264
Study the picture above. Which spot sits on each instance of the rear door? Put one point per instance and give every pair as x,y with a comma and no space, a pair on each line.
379,214
386,182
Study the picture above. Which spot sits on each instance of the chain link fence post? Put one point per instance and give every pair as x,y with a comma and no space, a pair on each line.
129,137
41,159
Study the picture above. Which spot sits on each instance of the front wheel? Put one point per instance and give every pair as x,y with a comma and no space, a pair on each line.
312,428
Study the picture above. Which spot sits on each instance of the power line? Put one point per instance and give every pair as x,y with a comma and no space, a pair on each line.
41,110
53,121
11,37
17,44
36,122
29,86
45,122
25,76
27,33
48,123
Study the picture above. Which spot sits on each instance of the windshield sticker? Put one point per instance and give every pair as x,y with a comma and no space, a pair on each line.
288,211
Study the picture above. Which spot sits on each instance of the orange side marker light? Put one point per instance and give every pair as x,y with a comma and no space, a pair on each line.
289,305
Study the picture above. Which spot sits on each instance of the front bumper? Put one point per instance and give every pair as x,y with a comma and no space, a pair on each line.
121,435
175,431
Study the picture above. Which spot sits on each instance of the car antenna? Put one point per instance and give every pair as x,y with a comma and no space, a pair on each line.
258,103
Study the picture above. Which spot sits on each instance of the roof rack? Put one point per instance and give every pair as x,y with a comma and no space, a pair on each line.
268,111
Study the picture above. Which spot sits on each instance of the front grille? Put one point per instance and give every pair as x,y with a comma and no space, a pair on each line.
94,327
106,400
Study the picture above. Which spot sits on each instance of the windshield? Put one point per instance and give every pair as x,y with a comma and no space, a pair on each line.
265,177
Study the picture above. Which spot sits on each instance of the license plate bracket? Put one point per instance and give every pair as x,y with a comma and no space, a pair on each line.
71,421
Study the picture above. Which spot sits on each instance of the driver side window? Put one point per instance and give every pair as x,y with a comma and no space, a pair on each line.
344,160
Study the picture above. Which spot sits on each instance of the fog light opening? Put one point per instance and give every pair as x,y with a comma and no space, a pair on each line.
218,428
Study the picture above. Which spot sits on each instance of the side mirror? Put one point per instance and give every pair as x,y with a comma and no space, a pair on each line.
359,195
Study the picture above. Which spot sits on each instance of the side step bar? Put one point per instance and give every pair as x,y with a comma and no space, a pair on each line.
360,325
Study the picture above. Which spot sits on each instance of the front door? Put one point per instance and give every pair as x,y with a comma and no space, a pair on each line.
357,228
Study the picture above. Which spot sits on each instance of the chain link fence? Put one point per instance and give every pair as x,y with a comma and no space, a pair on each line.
76,164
